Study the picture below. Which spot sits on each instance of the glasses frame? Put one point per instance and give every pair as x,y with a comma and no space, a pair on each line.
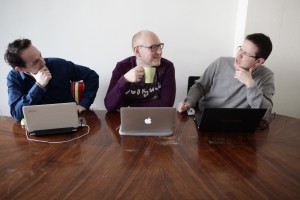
154,47
239,48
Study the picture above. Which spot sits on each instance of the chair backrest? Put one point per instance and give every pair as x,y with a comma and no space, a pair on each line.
191,81
77,89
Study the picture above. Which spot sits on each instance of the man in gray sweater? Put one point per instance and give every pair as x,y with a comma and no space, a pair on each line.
240,82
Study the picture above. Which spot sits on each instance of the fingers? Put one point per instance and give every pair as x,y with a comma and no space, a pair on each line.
245,76
186,106
139,69
43,76
241,72
236,74
251,70
135,74
183,106
80,108
238,68
179,107
46,71
139,72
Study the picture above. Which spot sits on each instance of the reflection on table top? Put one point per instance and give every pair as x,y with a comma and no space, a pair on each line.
188,165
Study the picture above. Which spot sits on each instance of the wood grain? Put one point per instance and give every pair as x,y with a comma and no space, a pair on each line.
188,165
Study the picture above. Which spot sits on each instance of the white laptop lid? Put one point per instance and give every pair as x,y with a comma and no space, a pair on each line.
50,119
147,121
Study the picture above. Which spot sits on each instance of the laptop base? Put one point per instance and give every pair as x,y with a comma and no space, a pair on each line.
53,131
161,133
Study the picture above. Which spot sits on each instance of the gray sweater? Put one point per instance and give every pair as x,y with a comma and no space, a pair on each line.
217,87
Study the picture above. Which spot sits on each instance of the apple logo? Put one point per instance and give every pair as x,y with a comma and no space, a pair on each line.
148,120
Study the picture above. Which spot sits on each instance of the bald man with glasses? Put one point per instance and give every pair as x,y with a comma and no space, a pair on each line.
127,85
240,82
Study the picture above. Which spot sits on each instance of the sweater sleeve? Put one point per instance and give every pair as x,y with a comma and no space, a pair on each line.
114,98
201,85
91,82
260,96
19,97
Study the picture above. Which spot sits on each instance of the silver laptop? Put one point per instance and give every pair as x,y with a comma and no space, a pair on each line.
51,119
147,121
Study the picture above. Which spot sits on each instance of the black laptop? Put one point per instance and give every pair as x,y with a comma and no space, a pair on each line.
229,119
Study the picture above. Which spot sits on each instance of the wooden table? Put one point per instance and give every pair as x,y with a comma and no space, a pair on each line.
187,165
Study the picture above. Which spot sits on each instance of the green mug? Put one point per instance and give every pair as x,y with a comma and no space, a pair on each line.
149,73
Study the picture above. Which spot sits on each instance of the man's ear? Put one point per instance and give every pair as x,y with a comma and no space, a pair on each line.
136,51
259,62
19,69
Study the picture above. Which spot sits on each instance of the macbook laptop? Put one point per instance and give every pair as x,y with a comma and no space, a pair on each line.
229,119
147,121
51,119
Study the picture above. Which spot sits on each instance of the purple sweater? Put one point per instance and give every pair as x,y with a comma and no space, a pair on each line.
161,93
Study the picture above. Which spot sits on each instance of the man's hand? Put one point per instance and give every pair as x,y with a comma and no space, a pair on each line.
183,106
80,108
244,76
135,74
42,77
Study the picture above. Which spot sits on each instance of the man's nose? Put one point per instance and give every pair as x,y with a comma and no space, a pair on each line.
42,61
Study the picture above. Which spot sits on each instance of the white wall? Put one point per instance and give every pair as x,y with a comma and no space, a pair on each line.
280,20
98,33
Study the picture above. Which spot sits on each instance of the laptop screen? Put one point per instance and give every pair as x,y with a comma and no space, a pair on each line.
147,121
229,119
50,119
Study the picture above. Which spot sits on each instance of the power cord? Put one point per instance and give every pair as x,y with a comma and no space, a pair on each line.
64,141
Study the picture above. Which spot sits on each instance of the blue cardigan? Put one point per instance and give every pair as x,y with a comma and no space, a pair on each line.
23,91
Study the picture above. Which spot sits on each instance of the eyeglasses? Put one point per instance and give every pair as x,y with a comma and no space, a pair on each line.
153,48
245,53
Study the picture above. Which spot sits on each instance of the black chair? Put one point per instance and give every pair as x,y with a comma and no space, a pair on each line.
191,81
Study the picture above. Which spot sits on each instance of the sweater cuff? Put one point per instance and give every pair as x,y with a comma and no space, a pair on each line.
190,101
36,90
39,85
